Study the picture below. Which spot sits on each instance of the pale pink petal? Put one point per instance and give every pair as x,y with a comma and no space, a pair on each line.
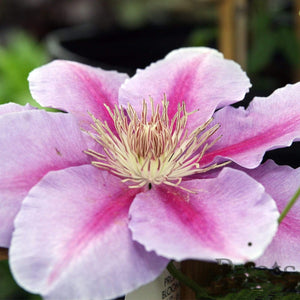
76,88
13,107
230,217
199,76
268,123
281,182
33,143
72,239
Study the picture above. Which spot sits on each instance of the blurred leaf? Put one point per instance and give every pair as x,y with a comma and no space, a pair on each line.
202,37
268,39
261,21
264,40
289,45
21,55
262,50
9,290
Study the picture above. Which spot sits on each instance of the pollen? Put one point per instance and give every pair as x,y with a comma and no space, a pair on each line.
152,149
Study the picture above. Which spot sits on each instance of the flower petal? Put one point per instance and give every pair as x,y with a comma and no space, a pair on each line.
33,143
72,239
13,107
281,182
76,88
268,123
229,217
199,76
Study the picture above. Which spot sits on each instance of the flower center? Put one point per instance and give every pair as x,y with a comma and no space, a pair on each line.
151,150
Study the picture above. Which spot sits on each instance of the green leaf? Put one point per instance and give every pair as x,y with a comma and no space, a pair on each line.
9,289
202,37
249,282
261,52
289,45
21,55
244,294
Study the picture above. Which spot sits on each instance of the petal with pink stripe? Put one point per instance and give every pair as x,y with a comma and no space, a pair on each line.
76,88
199,76
33,143
72,239
230,217
281,182
267,124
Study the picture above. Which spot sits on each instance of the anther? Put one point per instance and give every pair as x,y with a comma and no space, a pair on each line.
152,150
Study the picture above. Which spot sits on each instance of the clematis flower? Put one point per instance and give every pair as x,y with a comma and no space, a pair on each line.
96,201
281,182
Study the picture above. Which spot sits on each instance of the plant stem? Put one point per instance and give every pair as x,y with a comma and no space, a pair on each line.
289,205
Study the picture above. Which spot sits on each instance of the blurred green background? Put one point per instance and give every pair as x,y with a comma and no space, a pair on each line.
28,39
9,290
21,54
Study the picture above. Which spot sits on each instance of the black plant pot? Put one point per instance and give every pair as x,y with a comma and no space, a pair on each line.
119,49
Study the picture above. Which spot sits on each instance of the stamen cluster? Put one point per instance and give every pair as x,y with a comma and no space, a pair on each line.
151,150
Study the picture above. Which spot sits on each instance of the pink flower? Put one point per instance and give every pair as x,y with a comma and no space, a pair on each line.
93,212
281,182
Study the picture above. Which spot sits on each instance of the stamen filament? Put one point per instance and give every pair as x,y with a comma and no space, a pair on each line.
152,149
